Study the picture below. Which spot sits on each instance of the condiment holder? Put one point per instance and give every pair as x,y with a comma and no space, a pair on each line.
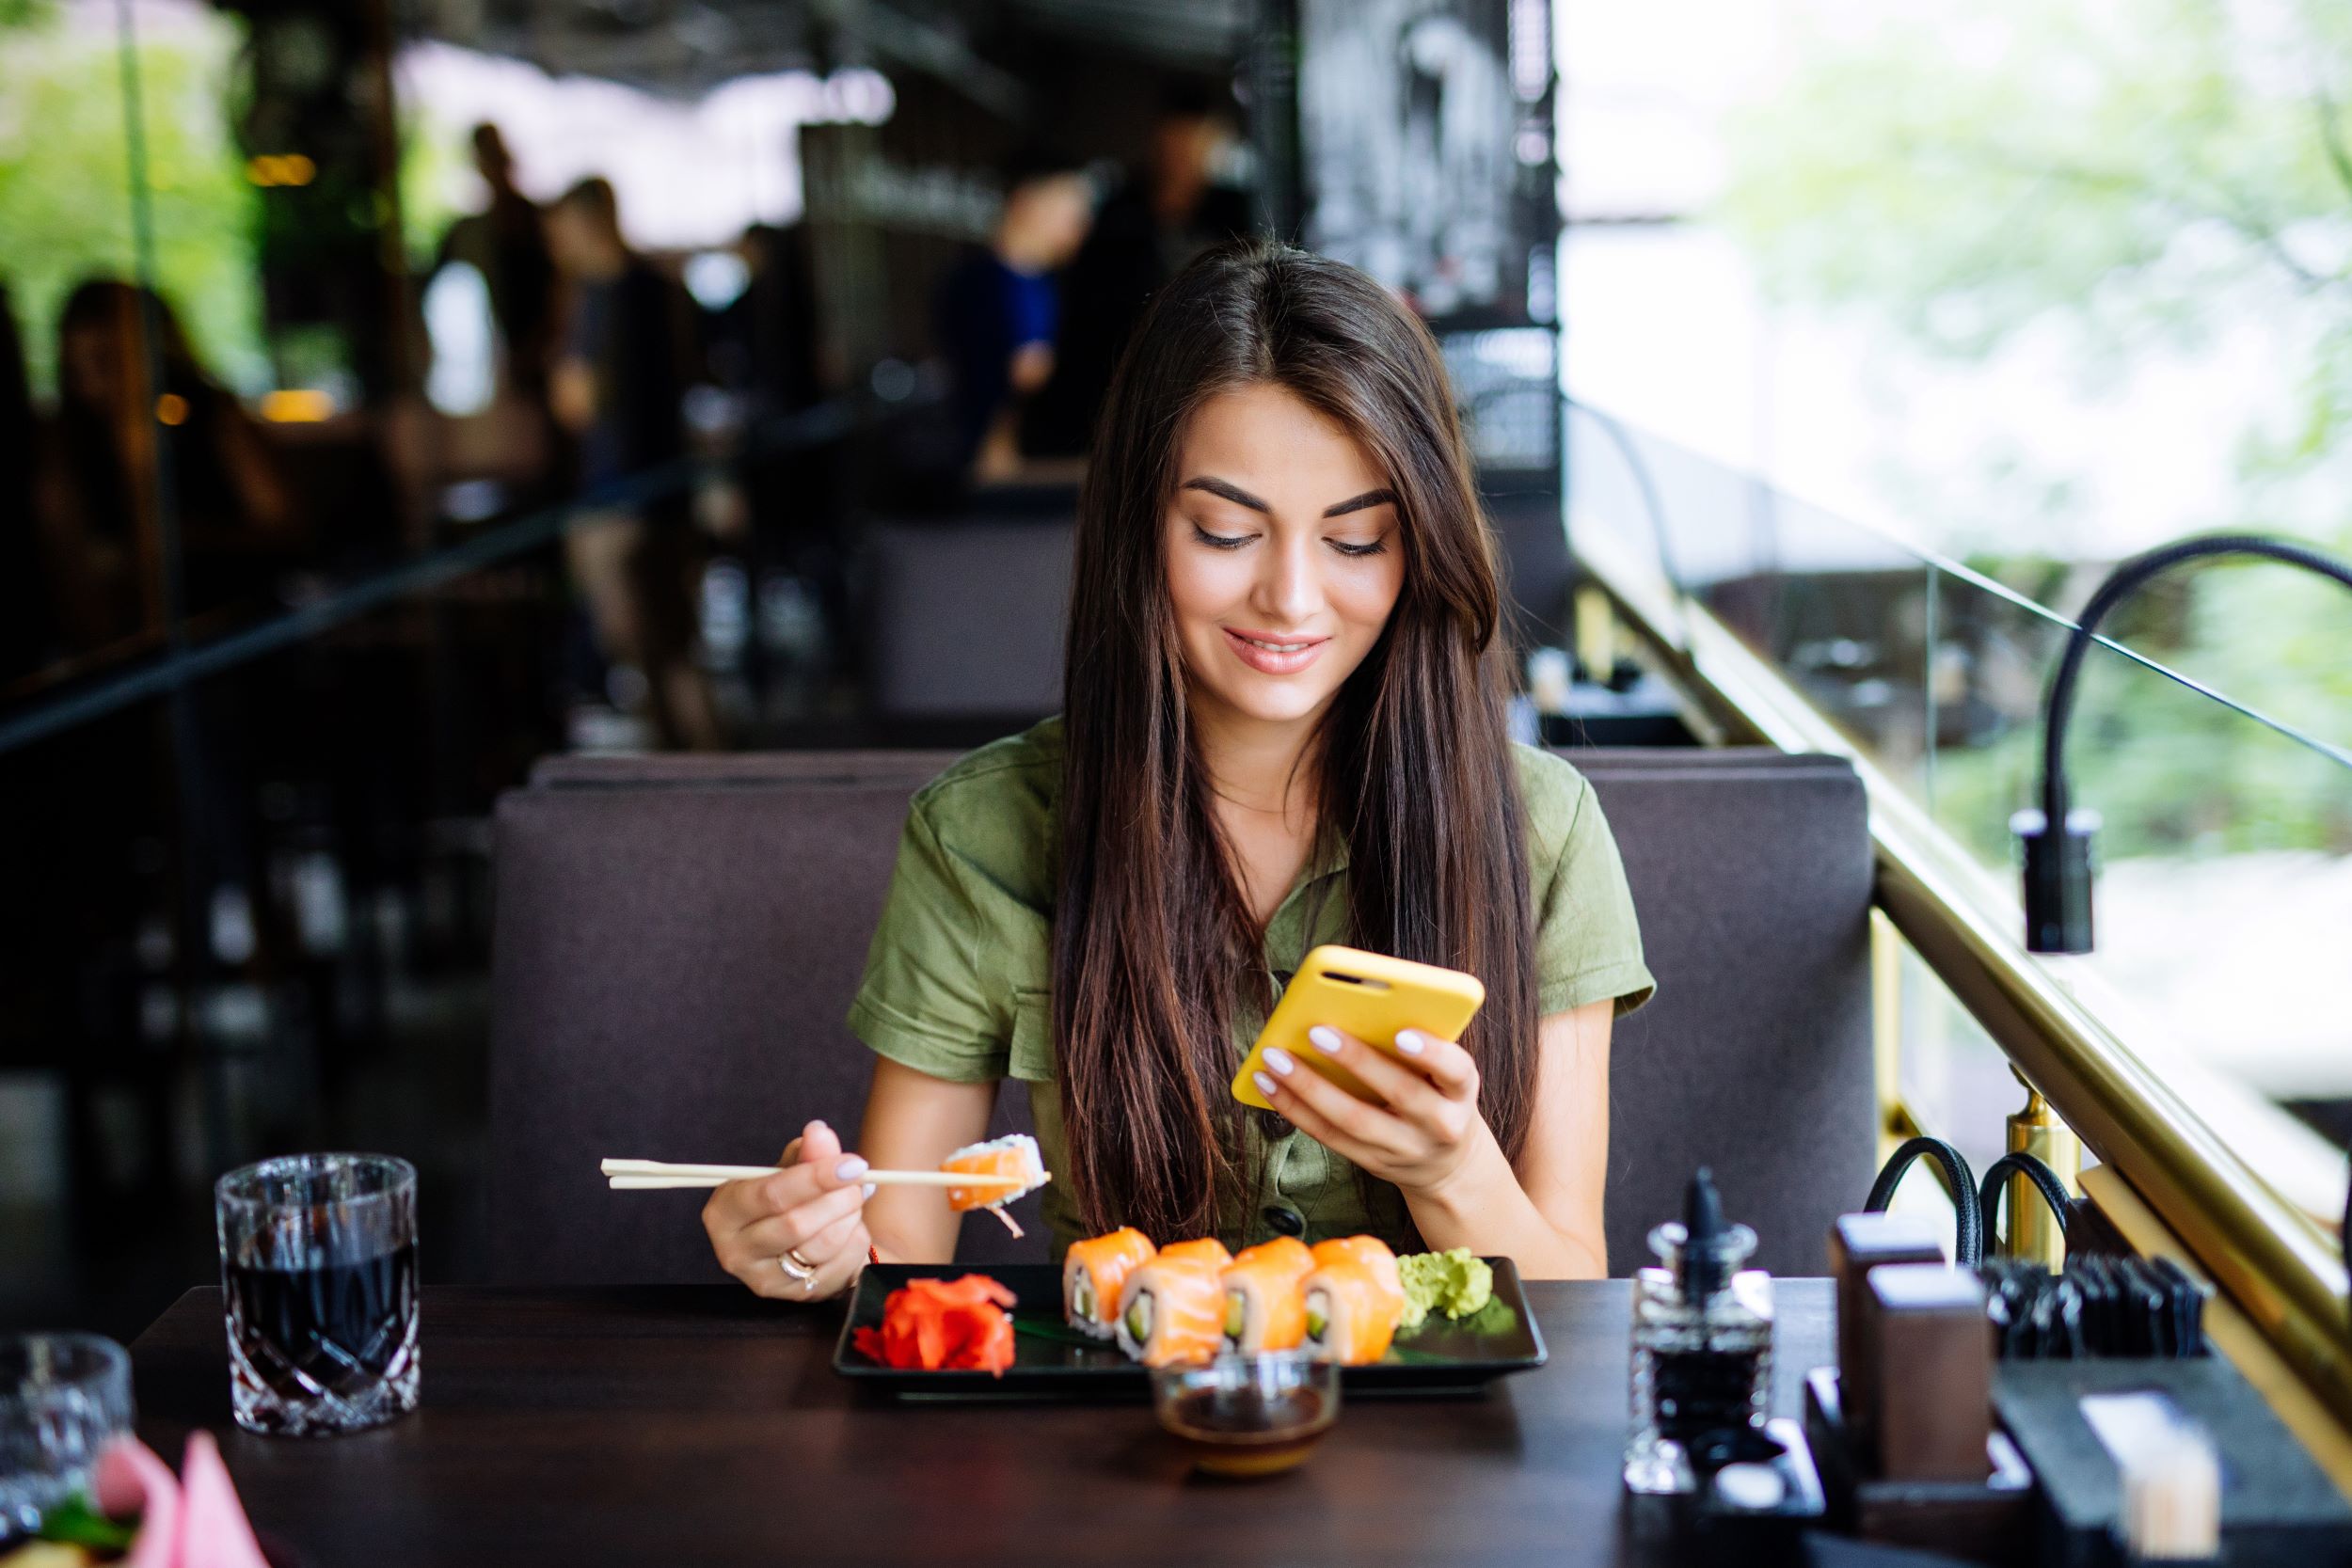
1702,1375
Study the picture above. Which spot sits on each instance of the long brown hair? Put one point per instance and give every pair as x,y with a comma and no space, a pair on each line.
1152,941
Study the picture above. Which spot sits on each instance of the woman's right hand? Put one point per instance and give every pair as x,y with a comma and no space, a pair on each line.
812,1208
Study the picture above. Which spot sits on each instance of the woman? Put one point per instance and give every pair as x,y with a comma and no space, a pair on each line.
616,387
1283,726
93,491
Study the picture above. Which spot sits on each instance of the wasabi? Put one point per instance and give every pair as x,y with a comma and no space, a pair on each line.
1457,1283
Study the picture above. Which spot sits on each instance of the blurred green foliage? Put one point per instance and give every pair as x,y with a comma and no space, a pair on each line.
2122,174
65,194
2123,166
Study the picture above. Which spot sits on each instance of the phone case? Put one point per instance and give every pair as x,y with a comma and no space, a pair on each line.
1364,994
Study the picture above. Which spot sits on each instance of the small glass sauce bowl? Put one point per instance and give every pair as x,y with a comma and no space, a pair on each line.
1248,1415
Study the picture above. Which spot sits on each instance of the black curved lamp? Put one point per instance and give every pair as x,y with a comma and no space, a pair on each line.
2056,838
2057,863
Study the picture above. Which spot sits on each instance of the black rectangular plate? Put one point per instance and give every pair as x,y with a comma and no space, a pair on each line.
1051,1360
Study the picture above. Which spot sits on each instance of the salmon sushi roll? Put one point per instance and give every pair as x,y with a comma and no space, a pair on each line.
1374,1254
1094,1274
1351,1316
1173,1310
1015,1155
1207,1248
1265,1308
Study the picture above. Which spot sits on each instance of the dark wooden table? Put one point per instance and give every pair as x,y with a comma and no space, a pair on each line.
698,1425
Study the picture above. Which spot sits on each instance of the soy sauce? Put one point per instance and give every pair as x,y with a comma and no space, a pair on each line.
1700,1391
343,1326
1249,1432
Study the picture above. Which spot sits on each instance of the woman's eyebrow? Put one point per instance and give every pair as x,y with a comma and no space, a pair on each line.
1382,497
1233,493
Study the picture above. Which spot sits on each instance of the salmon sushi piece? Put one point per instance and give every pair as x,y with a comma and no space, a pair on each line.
1207,1248
1173,1310
1374,1254
1014,1155
1094,1276
1265,1308
1351,1314
1285,1249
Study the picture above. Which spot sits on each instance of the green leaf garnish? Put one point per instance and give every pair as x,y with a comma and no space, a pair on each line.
1042,1327
76,1523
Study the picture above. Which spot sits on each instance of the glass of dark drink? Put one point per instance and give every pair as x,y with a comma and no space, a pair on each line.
318,1260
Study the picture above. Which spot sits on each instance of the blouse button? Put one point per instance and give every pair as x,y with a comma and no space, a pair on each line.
1284,1219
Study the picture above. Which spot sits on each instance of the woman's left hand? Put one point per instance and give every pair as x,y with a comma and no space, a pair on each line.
1424,1130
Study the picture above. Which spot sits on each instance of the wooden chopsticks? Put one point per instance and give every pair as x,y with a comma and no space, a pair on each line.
639,1176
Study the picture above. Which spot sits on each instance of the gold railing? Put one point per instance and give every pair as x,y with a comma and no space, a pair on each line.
2279,1269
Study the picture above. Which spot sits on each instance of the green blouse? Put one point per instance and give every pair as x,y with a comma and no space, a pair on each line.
957,977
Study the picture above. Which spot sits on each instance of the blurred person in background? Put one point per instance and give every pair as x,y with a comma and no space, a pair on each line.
617,388
997,312
769,345
92,490
26,636
507,244
112,438
1148,231
772,323
499,329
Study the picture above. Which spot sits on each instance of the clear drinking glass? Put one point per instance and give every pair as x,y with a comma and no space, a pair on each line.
63,1397
318,1260
1248,1415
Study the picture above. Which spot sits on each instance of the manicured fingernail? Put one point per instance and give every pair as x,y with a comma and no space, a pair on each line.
850,1169
870,1189
1279,1060
1409,1041
815,1127
1265,1086
1326,1038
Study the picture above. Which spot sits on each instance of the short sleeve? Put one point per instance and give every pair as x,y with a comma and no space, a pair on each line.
925,1000
1588,942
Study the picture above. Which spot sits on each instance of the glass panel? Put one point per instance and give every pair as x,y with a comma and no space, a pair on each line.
2222,868
1840,609
2225,869
2224,879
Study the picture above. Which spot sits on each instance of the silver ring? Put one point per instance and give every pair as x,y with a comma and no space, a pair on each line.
796,1269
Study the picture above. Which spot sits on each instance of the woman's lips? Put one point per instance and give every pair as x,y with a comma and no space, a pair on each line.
1270,655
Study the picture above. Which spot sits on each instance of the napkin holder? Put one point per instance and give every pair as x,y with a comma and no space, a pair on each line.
1988,1520
1902,1430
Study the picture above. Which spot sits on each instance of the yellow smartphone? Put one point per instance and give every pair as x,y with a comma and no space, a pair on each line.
1367,996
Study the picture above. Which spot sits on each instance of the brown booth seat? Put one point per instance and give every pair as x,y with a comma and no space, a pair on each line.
968,615
678,940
